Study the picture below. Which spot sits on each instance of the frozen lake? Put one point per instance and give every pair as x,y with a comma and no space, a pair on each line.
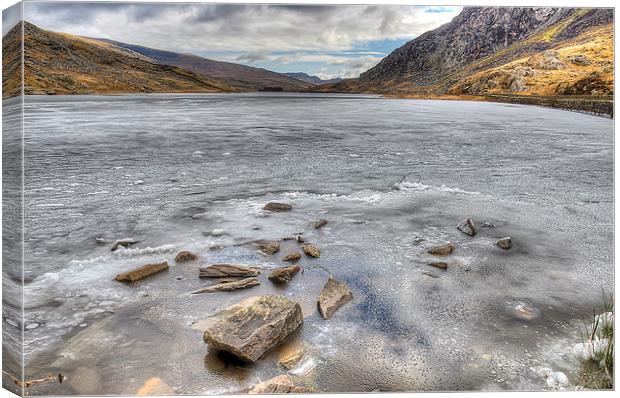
167,170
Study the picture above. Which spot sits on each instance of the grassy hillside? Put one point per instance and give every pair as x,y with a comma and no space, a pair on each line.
56,63
579,66
241,77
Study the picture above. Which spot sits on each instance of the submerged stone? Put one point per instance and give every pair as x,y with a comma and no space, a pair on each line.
439,264
285,274
185,256
142,272
311,250
253,327
334,295
282,384
292,257
291,354
123,243
275,206
229,286
467,226
504,243
322,222
155,386
224,270
441,250
269,246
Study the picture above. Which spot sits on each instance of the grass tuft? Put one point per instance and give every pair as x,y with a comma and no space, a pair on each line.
597,371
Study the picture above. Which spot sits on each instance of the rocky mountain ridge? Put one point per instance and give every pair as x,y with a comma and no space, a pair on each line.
304,77
480,40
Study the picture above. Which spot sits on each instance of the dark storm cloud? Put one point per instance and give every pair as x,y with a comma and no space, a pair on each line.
210,13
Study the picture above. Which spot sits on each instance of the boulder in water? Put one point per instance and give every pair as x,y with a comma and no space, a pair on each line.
275,206
282,384
504,243
334,295
269,246
322,222
441,250
155,386
291,354
142,272
467,226
285,274
185,256
228,286
123,243
439,264
311,250
253,327
224,270
294,256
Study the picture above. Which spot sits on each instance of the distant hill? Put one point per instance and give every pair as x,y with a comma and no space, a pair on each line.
304,77
240,77
58,63
501,50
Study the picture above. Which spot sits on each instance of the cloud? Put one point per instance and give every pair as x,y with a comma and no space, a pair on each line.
253,57
332,40
249,28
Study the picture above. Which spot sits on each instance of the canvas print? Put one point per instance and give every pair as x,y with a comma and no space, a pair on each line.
210,198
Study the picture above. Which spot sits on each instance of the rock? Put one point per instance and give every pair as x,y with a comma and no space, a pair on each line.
253,327
155,386
439,264
124,243
579,59
292,256
311,250
274,206
282,384
185,256
430,274
467,226
441,250
334,295
525,312
504,243
322,222
101,241
229,286
285,274
223,270
291,355
269,247
142,272
298,238
217,232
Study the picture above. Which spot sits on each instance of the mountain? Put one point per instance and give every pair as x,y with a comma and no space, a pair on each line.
495,50
58,63
304,77
241,77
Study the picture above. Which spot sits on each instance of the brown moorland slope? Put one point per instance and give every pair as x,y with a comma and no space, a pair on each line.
240,77
57,63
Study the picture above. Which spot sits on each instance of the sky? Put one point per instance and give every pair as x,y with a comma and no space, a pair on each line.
327,41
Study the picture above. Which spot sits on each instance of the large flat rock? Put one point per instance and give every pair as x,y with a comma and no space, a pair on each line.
253,327
334,295
228,286
142,272
224,270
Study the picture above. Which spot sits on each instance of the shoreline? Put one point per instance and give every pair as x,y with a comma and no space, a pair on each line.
594,106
